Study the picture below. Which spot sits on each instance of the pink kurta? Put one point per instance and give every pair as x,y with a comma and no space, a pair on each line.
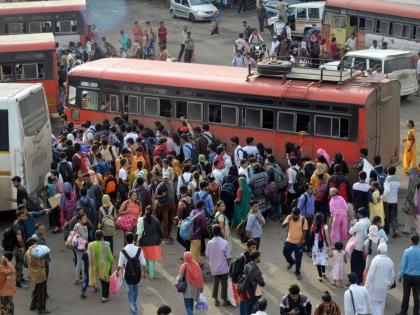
339,228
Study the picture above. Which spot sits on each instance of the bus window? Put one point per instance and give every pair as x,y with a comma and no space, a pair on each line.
252,118
366,24
401,30
30,71
34,27
215,113
382,27
6,73
72,95
132,102
111,103
151,105
3,29
353,20
165,108
195,111
66,26
4,130
303,123
339,22
301,13
90,100
313,13
286,121
416,32
180,109
229,115
268,119
15,28
331,126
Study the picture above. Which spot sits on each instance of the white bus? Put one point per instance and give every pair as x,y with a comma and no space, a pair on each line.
25,138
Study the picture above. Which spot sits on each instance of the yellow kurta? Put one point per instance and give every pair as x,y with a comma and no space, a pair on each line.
409,159
376,207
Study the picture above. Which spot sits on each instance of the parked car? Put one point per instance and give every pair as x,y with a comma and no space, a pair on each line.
395,64
195,10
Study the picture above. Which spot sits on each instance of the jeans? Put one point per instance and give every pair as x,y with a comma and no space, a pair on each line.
132,293
189,306
246,307
410,283
79,266
288,249
85,281
391,217
243,308
242,5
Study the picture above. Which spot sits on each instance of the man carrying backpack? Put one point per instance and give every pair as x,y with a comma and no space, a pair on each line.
293,182
379,173
65,169
276,176
133,264
206,197
306,205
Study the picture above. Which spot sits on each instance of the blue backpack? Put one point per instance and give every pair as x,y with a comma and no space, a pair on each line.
186,228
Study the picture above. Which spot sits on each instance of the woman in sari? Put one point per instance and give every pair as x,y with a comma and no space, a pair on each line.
100,261
409,159
243,197
150,235
67,204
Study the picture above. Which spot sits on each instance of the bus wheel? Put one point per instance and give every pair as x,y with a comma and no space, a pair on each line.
192,18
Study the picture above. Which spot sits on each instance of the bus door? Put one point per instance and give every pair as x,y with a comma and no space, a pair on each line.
339,30
5,159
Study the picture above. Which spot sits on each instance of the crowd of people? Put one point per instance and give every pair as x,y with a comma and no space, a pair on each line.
147,182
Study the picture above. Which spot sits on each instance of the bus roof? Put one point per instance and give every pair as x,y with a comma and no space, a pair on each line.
8,90
42,6
316,4
379,53
390,7
27,42
219,78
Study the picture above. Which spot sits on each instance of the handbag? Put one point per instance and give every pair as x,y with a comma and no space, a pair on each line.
181,285
351,244
75,241
126,221
354,307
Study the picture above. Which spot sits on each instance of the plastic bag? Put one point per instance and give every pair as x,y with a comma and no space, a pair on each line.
232,293
40,251
115,283
351,244
202,304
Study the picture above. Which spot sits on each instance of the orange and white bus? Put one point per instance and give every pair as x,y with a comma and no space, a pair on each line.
396,22
66,19
337,117
31,58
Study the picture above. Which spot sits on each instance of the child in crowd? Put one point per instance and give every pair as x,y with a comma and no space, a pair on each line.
337,271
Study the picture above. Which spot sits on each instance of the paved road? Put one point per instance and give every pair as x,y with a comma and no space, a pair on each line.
110,16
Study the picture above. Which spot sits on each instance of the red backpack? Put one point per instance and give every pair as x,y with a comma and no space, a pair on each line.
320,188
342,189
85,164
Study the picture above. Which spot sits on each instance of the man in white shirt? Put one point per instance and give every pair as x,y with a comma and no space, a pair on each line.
379,280
238,152
356,298
390,198
130,134
240,44
351,43
243,169
185,178
279,26
274,46
250,148
359,231
291,174
131,251
218,174
238,60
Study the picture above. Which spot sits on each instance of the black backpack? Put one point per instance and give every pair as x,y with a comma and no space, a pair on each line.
299,185
66,171
9,241
132,271
236,268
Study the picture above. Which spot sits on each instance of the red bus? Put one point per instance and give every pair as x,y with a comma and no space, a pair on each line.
394,22
31,58
337,117
66,19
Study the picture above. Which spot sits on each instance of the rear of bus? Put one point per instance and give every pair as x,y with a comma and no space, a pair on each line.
25,138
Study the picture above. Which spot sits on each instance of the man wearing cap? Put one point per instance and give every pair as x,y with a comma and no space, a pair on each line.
165,195
380,279
356,298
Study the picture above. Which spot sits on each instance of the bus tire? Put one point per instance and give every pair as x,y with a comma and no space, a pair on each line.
276,67
192,18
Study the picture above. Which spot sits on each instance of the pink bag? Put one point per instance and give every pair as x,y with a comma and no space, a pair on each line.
115,283
126,222
351,244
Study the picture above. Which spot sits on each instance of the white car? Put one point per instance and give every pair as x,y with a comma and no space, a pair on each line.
195,10
395,64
